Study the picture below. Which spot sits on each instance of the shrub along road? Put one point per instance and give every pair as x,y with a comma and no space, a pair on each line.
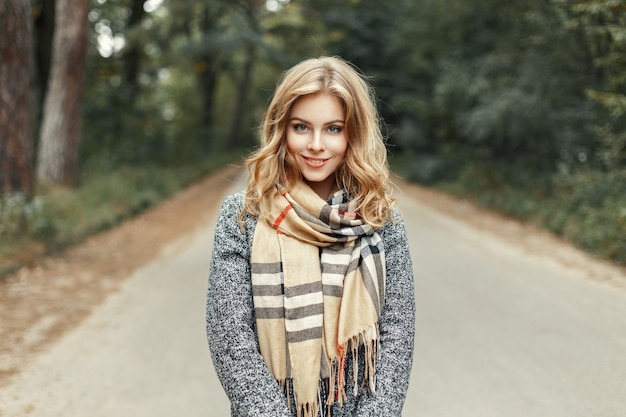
511,322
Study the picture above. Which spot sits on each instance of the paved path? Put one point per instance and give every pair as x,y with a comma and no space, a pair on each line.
500,333
504,333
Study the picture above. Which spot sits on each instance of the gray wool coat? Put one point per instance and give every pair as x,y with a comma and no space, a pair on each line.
231,328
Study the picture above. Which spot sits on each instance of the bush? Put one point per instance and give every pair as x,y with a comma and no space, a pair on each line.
594,204
58,216
17,214
425,169
588,207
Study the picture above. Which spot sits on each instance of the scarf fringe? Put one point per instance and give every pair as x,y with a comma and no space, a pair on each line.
335,385
285,388
309,410
370,339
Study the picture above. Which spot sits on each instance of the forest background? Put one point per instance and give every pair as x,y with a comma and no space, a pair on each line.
109,106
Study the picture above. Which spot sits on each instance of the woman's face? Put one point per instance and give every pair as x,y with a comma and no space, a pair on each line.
316,139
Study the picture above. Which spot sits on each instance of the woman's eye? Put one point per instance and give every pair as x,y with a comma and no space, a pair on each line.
300,127
334,129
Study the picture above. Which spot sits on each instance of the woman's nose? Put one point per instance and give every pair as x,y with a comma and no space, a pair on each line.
316,143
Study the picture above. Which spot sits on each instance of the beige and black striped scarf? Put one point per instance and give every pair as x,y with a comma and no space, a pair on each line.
318,277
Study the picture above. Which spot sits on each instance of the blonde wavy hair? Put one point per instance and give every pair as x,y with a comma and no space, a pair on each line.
365,170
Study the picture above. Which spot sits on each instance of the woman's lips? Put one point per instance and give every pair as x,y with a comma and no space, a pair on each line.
315,162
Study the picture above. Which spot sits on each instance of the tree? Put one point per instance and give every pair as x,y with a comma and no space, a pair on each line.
223,39
133,51
61,126
603,23
251,38
15,72
43,13
208,63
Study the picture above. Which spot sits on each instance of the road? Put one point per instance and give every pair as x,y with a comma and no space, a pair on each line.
501,331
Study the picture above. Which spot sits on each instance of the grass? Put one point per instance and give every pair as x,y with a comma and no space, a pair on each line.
587,208
59,217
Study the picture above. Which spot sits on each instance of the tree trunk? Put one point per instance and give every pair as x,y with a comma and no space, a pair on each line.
133,52
60,131
209,67
15,72
44,32
234,130
207,78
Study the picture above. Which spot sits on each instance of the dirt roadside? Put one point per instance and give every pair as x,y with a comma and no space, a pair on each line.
532,239
38,305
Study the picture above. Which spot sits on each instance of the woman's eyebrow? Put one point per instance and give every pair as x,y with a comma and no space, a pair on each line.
299,119
307,122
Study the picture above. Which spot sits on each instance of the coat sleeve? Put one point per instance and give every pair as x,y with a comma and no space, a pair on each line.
230,325
397,328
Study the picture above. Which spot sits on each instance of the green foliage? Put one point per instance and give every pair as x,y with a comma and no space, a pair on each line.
378,37
520,103
603,25
587,207
59,216
489,80
18,215
425,168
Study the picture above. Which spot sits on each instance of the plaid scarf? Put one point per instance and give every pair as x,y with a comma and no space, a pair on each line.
318,280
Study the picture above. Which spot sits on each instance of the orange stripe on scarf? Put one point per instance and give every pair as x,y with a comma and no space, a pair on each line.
282,216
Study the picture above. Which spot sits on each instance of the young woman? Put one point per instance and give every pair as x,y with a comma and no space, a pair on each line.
310,304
